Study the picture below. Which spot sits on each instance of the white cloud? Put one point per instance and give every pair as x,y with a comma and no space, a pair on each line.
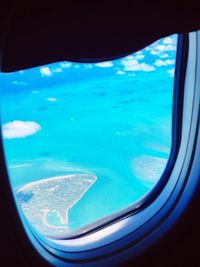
171,72
129,57
159,54
65,64
168,40
160,48
149,48
120,72
45,71
154,52
20,83
160,62
164,56
163,48
20,129
105,64
51,99
139,57
134,65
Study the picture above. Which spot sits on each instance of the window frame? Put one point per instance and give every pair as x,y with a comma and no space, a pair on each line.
148,218
136,231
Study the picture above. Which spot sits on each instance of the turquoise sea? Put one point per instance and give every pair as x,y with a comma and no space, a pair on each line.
111,122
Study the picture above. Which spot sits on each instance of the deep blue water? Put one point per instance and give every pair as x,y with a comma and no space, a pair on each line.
117,127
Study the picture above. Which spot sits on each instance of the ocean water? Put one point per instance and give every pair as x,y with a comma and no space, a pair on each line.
111,123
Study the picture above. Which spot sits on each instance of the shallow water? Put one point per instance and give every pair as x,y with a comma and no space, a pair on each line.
116,127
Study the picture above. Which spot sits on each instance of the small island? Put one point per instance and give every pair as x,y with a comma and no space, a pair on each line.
53,197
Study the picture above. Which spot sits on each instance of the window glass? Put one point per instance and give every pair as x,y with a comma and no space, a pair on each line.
83,141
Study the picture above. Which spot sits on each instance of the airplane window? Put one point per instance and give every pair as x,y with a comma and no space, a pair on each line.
84,141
